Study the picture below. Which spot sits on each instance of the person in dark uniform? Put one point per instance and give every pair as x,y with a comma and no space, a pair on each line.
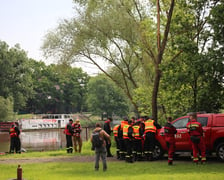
137,141
150,137
17,141
115,132
170,132
128,137
69,133
108,130
120,138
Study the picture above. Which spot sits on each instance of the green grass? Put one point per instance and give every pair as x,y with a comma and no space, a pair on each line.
181,170
86,151
116,170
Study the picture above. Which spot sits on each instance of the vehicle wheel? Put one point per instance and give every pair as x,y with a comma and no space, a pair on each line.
220,151
158,152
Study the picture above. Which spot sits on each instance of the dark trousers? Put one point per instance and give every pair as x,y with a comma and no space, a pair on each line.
128,144
117,146
149,144
18,145
122,148
137,149
108,149
12,144
69,146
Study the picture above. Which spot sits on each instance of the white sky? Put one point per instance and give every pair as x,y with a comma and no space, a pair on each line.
27,21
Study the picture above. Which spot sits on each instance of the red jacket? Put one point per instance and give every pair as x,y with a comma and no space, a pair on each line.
194,128
170,131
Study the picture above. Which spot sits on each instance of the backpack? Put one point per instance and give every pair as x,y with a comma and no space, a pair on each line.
97,141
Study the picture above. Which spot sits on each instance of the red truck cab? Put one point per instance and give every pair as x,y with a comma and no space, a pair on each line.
213,126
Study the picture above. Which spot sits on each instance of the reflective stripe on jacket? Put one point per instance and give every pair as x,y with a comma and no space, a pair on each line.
123,123
125,131
149,126
115,130
194,128
136,133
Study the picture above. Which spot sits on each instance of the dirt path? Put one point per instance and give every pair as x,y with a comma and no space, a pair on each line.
52,159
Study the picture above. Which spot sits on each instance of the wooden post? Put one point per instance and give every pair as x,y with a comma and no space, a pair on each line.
19,173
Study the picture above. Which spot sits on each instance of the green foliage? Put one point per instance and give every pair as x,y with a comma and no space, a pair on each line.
125,35
15,77
6,109
58,89
104,96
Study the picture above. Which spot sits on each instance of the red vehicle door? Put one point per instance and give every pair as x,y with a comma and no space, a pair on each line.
182,137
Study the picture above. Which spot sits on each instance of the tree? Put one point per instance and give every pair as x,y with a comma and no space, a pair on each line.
6,109
105,98
193,82
132,36
58,88
15,77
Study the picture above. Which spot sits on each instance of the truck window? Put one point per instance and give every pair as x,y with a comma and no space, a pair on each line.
181,123
203,121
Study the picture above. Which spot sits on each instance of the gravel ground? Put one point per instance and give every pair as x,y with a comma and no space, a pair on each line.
52,159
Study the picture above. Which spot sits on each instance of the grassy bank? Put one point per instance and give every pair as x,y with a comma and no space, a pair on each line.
119,170
116,170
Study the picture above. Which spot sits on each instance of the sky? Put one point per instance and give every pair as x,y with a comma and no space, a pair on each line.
25,22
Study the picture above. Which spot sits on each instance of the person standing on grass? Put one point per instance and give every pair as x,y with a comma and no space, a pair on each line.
12,133
115,132
150,137
69,132
101,151
77,140
170,131
108,130
18,142
196,138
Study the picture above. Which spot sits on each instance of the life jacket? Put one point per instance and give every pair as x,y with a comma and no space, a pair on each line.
125,131
12,132
120,128
149,126
136,133
115,130
123,123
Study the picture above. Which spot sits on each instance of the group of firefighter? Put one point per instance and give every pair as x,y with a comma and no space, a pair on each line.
136,139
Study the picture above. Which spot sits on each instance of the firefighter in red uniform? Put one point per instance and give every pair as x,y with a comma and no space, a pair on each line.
137,141
150,131
77,140
115,132
196,138
170,131
69,132
127,136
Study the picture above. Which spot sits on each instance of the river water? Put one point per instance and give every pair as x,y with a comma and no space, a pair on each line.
40,140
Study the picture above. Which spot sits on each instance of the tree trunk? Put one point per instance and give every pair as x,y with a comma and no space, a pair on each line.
155,94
